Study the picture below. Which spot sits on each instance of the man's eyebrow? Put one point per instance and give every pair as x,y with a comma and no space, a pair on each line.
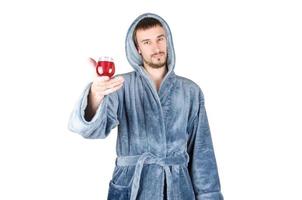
162,35
159,36
145,40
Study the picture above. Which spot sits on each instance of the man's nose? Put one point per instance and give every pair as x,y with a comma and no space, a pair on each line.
156,48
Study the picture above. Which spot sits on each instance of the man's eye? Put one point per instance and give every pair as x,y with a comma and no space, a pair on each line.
146,43
161,39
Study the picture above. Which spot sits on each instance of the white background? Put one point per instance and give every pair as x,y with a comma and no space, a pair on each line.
245,55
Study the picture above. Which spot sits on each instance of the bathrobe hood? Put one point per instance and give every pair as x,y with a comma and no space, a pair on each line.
135,59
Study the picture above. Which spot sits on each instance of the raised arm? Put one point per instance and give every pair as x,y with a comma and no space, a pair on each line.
95,114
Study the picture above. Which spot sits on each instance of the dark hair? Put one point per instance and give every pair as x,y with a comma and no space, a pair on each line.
144,24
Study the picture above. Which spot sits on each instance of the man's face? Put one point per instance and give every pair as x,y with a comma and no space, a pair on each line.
152,45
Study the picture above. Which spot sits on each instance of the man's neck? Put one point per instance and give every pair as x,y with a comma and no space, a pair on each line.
157,75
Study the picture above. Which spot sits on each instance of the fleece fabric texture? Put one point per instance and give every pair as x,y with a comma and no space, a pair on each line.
164,147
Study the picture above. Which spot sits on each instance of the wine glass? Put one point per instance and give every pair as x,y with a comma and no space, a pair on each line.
105,66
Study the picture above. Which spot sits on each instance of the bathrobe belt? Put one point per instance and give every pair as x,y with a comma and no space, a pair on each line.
149,158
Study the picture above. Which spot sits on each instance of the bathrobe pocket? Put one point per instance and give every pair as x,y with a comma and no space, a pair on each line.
118,192
120,185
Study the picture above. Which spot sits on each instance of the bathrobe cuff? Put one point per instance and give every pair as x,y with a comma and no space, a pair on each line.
210,196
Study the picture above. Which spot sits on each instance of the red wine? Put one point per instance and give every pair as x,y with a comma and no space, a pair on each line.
108,68
104,67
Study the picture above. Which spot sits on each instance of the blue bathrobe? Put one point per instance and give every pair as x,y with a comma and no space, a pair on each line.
164,147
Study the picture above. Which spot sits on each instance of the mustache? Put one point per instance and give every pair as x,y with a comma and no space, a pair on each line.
161,52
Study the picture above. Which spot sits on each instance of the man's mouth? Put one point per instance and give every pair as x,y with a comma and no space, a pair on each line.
160,54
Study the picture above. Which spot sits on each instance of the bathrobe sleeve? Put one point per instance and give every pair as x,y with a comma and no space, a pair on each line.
202,165
103,121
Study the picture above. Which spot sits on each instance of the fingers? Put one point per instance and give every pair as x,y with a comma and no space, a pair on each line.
100,79
113,85
105,80
113,89
115,82
104,85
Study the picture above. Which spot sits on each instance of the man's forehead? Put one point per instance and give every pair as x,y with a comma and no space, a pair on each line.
153,32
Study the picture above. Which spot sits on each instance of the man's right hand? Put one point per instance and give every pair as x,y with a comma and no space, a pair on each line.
101,86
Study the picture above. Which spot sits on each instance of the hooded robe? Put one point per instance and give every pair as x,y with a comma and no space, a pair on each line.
164,147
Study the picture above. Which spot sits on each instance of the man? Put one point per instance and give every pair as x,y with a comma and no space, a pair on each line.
164,144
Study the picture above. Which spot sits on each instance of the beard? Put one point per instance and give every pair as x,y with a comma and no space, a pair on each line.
161,62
